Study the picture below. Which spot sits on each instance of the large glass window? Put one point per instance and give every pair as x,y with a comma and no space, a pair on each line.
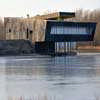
69,30
65,46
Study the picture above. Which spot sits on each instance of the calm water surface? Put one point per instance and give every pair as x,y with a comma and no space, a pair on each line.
50,78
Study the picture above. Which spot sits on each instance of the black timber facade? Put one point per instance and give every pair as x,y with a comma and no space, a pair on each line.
90,27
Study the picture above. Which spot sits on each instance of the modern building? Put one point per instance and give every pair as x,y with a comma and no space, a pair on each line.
60,36
50,33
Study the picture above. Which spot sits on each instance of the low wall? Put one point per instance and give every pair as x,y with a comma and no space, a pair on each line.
16,47
89,49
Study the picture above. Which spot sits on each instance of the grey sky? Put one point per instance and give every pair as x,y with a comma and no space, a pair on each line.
22,7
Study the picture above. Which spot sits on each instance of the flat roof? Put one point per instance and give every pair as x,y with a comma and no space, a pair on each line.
56,15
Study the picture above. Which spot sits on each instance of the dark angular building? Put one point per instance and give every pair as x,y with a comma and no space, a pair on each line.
61,36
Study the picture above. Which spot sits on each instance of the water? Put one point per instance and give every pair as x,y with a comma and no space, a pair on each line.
50,78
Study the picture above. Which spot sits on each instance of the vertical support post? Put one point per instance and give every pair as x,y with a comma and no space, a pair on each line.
59,47
70,47
67,47
64,47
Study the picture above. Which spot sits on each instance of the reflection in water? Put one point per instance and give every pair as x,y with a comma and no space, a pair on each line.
30,98
50,78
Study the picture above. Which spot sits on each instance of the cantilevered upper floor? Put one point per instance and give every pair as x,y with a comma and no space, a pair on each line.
62,31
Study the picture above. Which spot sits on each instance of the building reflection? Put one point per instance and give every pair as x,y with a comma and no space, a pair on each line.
30,98
35,78
67,66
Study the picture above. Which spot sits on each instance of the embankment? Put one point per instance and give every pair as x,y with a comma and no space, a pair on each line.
16,47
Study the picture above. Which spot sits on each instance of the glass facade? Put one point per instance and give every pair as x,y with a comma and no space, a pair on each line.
70,30
65,46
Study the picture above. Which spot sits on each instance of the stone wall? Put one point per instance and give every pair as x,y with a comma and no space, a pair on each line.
16,47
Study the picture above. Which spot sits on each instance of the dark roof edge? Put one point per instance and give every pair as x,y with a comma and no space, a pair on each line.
64,14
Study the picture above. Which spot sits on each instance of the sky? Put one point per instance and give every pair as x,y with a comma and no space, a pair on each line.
20,8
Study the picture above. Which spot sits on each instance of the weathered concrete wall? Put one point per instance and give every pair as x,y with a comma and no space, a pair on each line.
39,30
32,29
16,47
14,28
2,35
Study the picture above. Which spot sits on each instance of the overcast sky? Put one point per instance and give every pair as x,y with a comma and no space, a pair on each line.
20,8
